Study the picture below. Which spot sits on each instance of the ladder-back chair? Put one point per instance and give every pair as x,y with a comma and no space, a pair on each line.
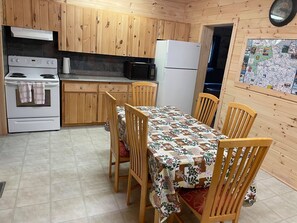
137,132
118,151
206,108
239,120
144,93
237,163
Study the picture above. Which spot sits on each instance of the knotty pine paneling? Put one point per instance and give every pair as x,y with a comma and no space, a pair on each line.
160,9
277,118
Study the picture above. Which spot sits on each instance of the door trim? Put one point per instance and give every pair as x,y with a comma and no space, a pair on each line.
205,31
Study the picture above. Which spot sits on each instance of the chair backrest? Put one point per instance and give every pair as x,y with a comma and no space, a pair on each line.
239,120
206,108
112,118
144,93
137,132
237,163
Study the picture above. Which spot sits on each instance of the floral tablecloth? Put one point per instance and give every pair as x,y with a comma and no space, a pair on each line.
182,152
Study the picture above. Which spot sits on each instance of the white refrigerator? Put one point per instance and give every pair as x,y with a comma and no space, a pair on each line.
176,66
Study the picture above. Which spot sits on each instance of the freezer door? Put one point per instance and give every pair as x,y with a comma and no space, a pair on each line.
177,88
182,55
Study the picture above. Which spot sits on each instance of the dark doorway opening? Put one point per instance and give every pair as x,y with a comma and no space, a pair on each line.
217,60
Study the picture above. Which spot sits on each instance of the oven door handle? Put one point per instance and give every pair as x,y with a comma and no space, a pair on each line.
46,84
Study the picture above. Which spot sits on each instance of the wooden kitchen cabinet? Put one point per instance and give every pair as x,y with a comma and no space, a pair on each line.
173,30
104,32
34,14
89,30
78,29
117,90
142,36
83,103
79,103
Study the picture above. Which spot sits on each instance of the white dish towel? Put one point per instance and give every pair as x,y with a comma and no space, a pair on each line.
25,91
39,92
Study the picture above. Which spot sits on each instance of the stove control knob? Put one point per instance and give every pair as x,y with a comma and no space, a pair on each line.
17,60
48,62
12,60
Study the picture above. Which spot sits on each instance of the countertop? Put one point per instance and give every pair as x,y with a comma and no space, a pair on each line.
76,77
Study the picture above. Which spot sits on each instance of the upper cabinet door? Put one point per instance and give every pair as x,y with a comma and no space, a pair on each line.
36,14
182,31
108,33
40,14
147,37
133,36
54,12
89,30
166,29
122,31
68,21
169,30
17,13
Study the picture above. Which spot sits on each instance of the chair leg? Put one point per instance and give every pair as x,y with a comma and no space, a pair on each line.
170,218
178,218
116,177
236,219
156,217
129,187
110,163
142,204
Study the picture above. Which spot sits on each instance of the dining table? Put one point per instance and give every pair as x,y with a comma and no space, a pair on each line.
181,154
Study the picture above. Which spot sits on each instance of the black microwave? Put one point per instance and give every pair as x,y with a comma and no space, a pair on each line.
139,71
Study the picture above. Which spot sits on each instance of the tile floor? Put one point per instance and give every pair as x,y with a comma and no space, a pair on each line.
61,176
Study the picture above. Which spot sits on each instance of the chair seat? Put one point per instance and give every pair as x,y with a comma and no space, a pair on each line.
195,198
123,151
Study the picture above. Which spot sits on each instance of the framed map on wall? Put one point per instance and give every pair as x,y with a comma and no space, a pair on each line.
270,64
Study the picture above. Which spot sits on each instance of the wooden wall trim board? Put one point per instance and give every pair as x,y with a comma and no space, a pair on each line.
227,67
205,38
205,41
3,120
277,117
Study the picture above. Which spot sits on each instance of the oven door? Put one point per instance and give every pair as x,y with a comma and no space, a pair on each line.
16,109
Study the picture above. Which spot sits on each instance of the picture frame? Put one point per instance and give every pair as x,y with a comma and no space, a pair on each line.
271,55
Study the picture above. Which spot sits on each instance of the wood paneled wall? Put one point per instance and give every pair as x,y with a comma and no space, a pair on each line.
277,118
161,9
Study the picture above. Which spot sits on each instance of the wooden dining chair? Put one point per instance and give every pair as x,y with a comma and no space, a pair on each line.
239,120
118,151
144,93
237,163
206,108
137,131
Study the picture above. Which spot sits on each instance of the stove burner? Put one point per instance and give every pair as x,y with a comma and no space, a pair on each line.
18,75
48,76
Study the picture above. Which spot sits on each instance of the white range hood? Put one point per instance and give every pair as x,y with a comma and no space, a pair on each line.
31,34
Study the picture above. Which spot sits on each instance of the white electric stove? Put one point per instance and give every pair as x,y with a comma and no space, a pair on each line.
25,117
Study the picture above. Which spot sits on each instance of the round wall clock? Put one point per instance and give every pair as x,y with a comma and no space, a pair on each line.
282,12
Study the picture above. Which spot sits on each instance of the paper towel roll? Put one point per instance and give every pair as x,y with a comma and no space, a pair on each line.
66,65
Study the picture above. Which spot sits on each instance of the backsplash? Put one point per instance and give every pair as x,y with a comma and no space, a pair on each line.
81,63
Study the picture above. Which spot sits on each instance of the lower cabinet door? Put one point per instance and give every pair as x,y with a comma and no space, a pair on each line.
80,108
121,98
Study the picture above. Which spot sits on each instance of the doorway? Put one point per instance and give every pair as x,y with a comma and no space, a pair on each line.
217,59
207,31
